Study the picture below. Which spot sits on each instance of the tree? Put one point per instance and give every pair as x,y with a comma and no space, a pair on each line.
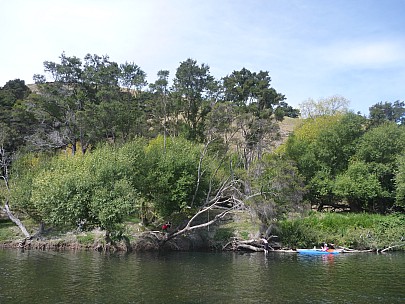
358,186
132,77
382,112
324,106
80,95
194,89
282,189
59,102
400,182
379,149
172,174
322,148
255,99
94,190
13,129
14,120
247,89
161,91
284,109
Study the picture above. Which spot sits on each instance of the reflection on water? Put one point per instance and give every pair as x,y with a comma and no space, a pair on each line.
199,277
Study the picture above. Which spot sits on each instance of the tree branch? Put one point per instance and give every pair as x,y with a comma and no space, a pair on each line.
4,164
16,221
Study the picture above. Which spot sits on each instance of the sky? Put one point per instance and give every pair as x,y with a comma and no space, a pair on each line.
311,48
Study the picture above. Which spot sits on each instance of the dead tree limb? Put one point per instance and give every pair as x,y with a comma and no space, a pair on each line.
199,173
392,247
5,162
16,221
228,194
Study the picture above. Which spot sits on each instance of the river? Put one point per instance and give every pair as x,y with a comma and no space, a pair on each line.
199,277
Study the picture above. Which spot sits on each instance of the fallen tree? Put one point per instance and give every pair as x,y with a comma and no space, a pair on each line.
227,199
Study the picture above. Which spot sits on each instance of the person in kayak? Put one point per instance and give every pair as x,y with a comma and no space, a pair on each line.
325,247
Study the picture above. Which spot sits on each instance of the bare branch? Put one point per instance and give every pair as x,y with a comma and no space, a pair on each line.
5,162
219,216
199,174
16,221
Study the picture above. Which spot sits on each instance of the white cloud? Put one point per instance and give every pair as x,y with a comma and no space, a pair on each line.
364,54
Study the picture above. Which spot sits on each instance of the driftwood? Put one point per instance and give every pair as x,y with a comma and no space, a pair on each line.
249,247
246,245
350,250
391,247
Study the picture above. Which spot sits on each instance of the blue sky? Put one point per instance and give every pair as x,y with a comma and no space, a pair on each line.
311,48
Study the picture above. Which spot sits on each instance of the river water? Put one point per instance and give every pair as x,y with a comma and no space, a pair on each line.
200,277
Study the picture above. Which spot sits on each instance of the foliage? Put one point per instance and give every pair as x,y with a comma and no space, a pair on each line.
358,186
223,234
87,239
344,163
102,187
172,173
282,189
98,189
387,111
193,89
322,148
258,109
85,93
400,181
324,107
379,149
334,158
25,170
284,109
14,120
360,231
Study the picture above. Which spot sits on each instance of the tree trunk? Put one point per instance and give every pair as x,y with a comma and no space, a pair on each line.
16,221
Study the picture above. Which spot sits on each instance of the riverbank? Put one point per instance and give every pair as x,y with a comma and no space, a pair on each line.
363,232
360,231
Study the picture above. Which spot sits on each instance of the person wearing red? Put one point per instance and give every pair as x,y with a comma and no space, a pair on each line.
166,226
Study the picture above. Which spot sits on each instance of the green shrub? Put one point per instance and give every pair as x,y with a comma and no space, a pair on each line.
360,231
223,234
87,239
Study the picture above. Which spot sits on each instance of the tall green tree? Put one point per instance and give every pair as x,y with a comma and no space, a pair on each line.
194,89
387,111
15,121
378,150
59,102
161,106
322,148
256,100
82,95
252,90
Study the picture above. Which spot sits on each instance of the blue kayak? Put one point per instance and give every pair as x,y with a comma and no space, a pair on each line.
318,251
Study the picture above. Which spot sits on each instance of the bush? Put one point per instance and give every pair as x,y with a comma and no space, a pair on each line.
360,231
223,234
86,240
